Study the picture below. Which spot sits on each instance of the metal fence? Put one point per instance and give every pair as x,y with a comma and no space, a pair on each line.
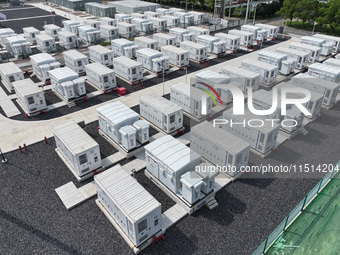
295,213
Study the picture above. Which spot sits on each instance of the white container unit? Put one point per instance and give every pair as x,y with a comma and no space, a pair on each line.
332,62
92,23
89,34
30,96
181,34
42,63
199,17
214,44
67,83
138,16
164,39
76,61
52,30
327,88
146,42
313,51
143,25
151,14
286,66
18,45
128,69
326,48
246,38
102,55
300,57
177,56
163,11
126,29
128,135
78,148
121,17
259,33
71,26
198,31
232,41
167,159
10,73
4,33
101,76
326,72
185,18
142,128
193,100
272,31
244,79
164,114
173,10
171,21
191,187
219,147
46,43
68,39
108,21
153,60
109,32
123,47
124,198
30,33
197,52
267,72
159,24
333,40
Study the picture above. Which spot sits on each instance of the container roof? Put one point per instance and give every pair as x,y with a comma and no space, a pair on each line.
259,64
27,87
174,49
127,61
166,36
193,44
315,81
100,69
305,46
30,29
292,51
10,68
100,49
74,54
63,72
66,33
160,103
145,39
239,32
133,4
323,67
241,72
52,26
44,37
17,39
117,112
42,57
229,36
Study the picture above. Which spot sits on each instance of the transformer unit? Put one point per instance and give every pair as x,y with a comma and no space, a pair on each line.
246,38
164,39
89,34
10,73
214,45
332,62
30,33
138,16
42,63
77,147
102,55
191,187
177,56
161,112
143,25
326,72
193,100
71,26
67,83
171,21
300,57
109,32
124,198
199,17
219,147
185,18
76,61
159,24
198,31
259,33
181,35
244,79
108,21
128,135
326,48
52,30
286,66
232,41
153,60
333,40
92,23
208,173
151,14
327,88
272,31
128,69
18,45
4,33
121,17
126,29
142,131
101,76
313,51
197,52
68,39
46,43
123,47
267,72
146,42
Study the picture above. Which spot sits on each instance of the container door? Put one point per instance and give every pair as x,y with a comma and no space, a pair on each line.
142,231
84,163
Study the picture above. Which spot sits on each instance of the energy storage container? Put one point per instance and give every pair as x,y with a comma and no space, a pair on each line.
92,23
123,47
143,25
108,21
208,173
177,56
18,45
173,10
138,16
124,198
102,55
5,32
142,128
112,117
199,17
30,33
71,26
100,10
78,148
313,51
272,31
193,100
146,42
232,41
220,147
259,33
197,52
332,62
153,60
42,63
164,39
109,32
172,21
261,138
181,35
126,29
68,39
163,11
185,18
246,38
121,17
326,72
161,112
326,48
300,57
101,76
128,135
76,61
128,69
151,14
214,44
159,24
67,83
333,40
30,96
191,187
52,30
327,88
198,31
10,73
46,43
89,34
244,79
167,159
267,72
286,66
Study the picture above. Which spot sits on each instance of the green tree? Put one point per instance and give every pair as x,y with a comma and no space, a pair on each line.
306,10
289,9
330,14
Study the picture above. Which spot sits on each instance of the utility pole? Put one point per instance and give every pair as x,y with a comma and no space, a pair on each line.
222,9
246,18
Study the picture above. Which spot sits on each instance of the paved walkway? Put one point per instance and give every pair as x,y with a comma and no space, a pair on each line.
7,105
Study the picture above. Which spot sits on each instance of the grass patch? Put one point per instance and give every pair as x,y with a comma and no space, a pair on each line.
309,27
